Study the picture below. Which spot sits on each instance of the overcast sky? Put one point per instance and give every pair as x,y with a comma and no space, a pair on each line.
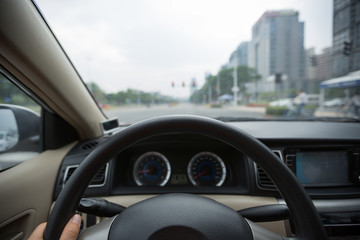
147,44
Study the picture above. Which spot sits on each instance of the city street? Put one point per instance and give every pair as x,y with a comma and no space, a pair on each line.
137,113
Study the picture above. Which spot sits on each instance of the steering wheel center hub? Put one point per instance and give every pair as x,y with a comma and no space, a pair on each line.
188,215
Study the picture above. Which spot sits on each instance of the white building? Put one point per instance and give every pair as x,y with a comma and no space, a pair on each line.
277,46
240,55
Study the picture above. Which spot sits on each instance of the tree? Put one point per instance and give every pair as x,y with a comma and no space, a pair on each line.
11,94
226,79
98,94
132,96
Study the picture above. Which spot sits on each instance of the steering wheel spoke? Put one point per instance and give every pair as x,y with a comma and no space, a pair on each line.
260,233
99,231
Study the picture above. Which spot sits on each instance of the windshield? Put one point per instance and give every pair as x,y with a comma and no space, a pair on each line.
229,59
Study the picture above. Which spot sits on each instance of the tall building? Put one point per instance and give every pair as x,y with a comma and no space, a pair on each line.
346,36
318,66
240,55
277,46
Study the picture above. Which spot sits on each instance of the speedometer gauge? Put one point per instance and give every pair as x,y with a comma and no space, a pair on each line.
206,169
151,169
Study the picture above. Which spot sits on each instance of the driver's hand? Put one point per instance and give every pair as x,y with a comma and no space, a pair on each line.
70,232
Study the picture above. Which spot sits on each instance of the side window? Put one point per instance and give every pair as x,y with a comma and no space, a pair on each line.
20,125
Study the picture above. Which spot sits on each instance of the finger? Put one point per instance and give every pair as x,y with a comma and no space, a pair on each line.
72,228
38,232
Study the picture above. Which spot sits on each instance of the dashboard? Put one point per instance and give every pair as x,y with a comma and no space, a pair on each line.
166,164
193,164
323,156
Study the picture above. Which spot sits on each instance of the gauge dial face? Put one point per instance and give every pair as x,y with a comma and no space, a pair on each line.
206,169
151,169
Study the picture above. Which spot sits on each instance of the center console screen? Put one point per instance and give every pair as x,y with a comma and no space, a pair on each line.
322,168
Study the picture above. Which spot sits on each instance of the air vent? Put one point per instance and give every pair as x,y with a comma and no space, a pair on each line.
263,179
99,179
68,172
89,145
290,162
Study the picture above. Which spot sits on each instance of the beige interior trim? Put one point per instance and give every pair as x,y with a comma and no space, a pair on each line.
28,188
28,48
18,216
235,202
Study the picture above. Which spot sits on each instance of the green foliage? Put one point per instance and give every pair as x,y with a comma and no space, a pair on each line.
19,100
275,111
226,80
331,93
216,106
310,107
10,94
268,96
132,96
98,94
281,110
291,93
197,97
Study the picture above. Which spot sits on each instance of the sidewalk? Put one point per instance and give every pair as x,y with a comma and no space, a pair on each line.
318,113
331,113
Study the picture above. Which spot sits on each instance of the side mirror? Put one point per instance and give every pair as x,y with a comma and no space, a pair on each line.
20,127
19,135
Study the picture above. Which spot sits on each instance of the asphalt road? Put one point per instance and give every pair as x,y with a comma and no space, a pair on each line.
137,113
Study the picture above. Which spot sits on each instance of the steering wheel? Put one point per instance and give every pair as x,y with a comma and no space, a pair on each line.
184,216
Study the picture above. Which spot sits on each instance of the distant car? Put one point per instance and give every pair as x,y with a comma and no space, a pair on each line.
284,102
313,99
336,102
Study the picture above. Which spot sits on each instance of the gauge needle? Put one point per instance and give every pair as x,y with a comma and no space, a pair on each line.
202,173
144,171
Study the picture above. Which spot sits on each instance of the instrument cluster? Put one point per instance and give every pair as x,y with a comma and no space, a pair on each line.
203,169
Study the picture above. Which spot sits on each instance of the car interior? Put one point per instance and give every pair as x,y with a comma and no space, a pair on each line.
149,180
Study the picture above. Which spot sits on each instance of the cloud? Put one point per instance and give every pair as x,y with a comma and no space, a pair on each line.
147,44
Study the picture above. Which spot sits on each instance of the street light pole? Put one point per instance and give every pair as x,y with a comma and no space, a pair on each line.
218,84
210,92
235,88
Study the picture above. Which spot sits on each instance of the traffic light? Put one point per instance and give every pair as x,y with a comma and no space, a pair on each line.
172,84
193,83
278,78
313,61
347,48
183,83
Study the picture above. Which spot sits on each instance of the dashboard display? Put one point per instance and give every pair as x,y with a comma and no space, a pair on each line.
179,179
322,168
206,169
151,169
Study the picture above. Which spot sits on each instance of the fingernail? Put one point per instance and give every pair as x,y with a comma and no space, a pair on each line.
76,219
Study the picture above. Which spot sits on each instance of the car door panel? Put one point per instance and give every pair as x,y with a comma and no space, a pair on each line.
26,181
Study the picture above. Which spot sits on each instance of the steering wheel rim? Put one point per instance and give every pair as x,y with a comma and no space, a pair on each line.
306,219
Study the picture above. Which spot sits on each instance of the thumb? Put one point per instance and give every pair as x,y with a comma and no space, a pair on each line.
72,228
38,232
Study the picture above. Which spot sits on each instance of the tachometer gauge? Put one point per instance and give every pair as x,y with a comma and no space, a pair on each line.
206,169
151,169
